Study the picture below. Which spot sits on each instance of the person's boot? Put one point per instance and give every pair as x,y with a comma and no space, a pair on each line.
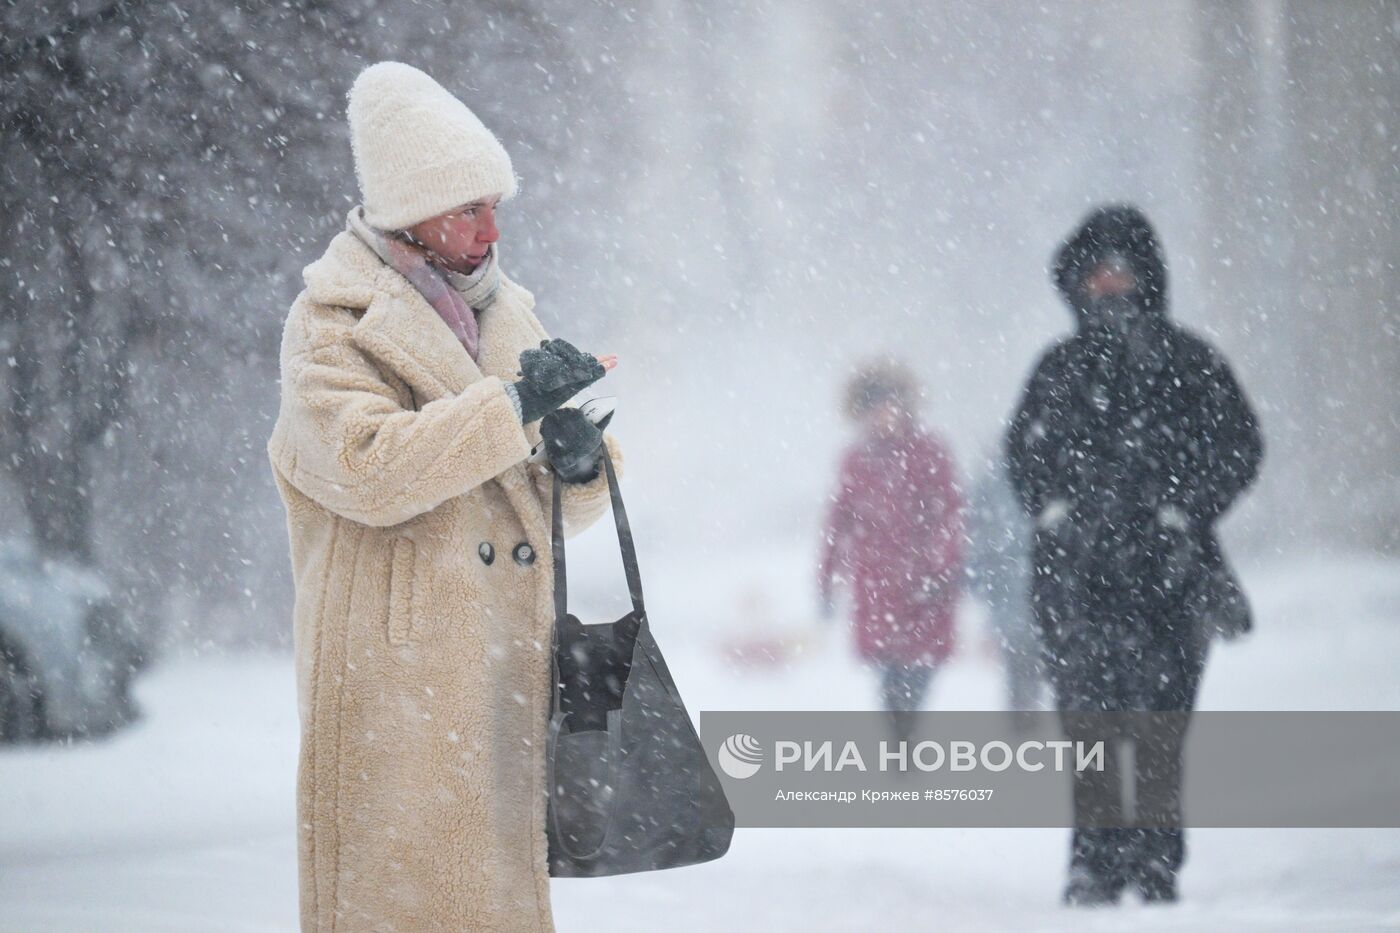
1156,858
1096,866
1156,884
1087,888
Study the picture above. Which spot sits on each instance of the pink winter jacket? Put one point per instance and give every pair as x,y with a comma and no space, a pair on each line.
894,531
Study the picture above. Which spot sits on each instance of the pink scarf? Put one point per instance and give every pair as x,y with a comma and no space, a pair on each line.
452,294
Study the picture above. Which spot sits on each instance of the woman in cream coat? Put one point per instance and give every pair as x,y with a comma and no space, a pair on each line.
419,538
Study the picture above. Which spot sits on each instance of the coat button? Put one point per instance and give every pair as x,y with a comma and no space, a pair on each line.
487,552
524,554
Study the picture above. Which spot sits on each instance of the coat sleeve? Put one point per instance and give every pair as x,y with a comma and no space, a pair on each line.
582,503
349,445
1029,444
836,533
1230,446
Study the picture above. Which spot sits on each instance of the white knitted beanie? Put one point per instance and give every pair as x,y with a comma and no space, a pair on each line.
419,151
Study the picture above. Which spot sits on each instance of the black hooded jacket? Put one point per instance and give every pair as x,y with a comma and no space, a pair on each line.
1129,441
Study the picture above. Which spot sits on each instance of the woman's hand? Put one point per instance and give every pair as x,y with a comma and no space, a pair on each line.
553,374
573,444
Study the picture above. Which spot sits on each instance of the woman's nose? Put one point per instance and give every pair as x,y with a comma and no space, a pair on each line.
488,232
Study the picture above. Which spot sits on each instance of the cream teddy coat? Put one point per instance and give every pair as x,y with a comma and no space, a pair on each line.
422,667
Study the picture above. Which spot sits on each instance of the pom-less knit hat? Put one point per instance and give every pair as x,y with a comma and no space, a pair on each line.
419,151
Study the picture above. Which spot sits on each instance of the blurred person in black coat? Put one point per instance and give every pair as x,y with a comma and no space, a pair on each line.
1131,440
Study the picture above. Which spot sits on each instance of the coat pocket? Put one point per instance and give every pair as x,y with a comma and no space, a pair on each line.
402,584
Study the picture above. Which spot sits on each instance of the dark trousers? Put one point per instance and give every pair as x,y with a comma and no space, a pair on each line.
902,691
1102,844
1118,663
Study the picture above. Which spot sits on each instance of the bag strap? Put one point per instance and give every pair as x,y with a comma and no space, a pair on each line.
624,542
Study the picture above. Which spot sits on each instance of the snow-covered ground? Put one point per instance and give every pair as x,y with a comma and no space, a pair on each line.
184,822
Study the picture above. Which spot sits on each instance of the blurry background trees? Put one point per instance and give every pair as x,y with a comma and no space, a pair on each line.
740,199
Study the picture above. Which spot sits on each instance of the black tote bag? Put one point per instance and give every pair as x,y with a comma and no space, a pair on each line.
630,786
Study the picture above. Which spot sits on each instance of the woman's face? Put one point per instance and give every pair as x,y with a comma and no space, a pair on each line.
461,238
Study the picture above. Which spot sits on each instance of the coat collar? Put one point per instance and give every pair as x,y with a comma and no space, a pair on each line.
402,332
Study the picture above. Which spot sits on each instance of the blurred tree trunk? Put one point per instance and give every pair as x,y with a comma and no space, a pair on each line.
66,386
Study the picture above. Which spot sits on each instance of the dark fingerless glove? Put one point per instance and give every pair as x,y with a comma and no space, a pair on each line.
551,375
573,445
